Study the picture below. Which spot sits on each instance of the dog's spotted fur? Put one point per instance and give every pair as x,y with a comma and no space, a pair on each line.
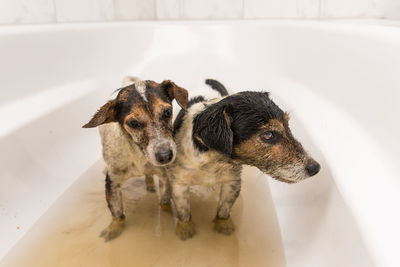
216,137
135,128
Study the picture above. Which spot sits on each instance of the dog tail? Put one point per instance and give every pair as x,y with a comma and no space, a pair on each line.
217,86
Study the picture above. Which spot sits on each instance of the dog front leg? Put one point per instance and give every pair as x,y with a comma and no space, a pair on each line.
228,195
150,183
114,201
165,192
184,227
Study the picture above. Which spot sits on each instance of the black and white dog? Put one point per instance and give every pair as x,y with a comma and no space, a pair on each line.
214,138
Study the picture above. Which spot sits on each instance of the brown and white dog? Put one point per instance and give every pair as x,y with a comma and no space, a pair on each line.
215,138
136,134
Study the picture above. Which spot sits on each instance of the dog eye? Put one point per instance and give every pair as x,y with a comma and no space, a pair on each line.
134,124
167,113
268,136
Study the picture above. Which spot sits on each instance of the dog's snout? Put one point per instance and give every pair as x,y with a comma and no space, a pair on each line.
313,168
165,156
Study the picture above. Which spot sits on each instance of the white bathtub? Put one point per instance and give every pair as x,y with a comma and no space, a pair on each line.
339,80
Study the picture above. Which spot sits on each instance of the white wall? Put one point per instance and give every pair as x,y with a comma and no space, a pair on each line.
391,8
62,11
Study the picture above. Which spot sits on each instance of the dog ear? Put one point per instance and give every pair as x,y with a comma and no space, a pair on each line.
104,115
175,92
211,128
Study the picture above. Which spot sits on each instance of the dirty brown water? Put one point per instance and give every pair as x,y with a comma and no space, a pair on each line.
68,233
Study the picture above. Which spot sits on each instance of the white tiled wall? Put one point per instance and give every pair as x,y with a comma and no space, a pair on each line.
168,9
357,8
64,11
282,9
134,9
84,10
212,9
27,11
391,8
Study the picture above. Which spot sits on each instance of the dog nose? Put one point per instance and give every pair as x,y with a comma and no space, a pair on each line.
164,156
313,168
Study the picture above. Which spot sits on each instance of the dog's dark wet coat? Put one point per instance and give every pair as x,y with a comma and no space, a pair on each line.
224,126
179,118
128,97
244,128
233,120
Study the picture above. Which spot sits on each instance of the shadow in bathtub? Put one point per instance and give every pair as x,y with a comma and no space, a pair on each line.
39,60
316,224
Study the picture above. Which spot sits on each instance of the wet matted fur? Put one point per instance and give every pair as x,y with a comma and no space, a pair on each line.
136,134
216,137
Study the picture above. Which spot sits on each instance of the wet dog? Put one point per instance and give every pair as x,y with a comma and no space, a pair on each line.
136,135
216,137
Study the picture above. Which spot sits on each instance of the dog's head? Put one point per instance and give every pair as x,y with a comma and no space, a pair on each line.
251,128
144,111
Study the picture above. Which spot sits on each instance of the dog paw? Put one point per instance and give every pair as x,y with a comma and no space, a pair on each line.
150,188
224,226
185,230
113,230
166,206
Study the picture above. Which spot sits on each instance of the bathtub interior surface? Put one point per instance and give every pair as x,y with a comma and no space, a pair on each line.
328,75
68,234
